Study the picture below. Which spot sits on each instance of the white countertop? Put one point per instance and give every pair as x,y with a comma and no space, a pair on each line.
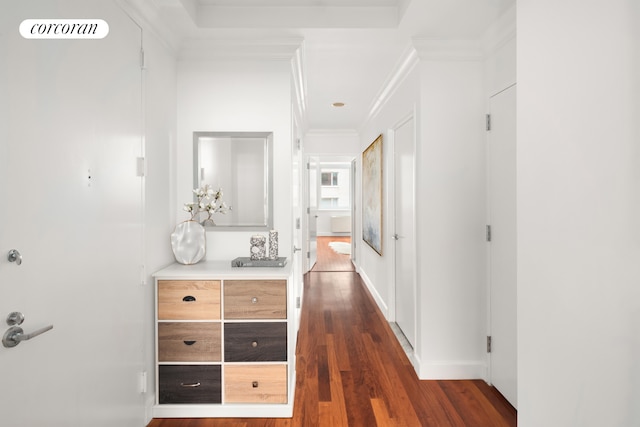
221,270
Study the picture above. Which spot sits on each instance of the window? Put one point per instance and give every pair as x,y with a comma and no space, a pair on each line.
334,189
330,179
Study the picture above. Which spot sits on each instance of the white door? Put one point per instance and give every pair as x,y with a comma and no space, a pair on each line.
297,261
70,132
404,237
313,175
502,218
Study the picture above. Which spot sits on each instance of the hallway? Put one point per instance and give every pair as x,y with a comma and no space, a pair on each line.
351,371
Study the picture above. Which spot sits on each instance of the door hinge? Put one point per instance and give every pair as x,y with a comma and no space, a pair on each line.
298,304
140,166
297,223
489,344
143,63
488,233
309,255
488,122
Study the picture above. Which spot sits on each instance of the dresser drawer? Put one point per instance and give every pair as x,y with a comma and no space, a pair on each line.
188,299
189,342
255,383
255,342
189,384
255,299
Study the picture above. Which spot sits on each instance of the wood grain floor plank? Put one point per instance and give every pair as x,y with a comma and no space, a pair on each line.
351,371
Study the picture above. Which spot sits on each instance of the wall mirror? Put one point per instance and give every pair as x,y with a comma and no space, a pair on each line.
240,163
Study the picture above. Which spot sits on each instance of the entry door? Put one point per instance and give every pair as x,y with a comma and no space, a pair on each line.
502,269
404,237
71,205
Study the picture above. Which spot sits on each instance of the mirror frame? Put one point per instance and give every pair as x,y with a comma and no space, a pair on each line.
268,167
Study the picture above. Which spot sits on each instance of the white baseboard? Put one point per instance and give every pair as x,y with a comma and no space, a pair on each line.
452,370
374,293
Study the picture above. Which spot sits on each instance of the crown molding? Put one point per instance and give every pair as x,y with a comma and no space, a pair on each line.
277,49
501,32
448,50
146,14
300,85
408,60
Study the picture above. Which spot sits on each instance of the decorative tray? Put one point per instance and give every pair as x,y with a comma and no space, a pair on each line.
248,262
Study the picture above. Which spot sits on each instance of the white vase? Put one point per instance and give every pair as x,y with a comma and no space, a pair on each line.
188,242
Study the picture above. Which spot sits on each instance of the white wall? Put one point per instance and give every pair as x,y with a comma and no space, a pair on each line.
451,206
236,95
578,213
446,94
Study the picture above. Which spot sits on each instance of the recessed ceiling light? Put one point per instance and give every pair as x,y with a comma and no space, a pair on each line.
338,104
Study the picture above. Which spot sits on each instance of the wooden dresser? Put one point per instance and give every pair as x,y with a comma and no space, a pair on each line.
225,341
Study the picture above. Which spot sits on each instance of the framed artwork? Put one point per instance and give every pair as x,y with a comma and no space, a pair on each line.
372,195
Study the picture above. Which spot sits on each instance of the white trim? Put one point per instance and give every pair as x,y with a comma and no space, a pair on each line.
399,73
145,14
452,370
277,49
374,293
500,33
448,50
300,86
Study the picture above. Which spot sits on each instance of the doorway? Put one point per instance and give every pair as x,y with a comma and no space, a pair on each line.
330,213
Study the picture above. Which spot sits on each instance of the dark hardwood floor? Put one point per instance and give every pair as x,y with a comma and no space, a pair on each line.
351,371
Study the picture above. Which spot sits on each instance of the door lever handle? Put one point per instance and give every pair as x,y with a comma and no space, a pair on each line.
15,335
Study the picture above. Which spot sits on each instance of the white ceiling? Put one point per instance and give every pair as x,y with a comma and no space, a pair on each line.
350,46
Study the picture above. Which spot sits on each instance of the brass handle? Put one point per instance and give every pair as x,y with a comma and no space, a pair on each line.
255,384
191,385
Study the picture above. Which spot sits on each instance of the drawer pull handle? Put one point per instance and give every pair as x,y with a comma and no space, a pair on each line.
255,384
254,344
189,298
190,385
189,342
254,300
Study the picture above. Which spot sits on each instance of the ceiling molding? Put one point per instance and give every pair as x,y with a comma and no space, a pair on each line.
278,49
501,32
146,14
216,16
300,85
448,50
408,60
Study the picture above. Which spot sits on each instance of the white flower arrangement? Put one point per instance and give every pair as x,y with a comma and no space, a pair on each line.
210,201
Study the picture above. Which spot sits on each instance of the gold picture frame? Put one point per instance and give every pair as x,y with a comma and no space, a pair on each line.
372,195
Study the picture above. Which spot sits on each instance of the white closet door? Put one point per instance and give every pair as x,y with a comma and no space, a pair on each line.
502,212
404,237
